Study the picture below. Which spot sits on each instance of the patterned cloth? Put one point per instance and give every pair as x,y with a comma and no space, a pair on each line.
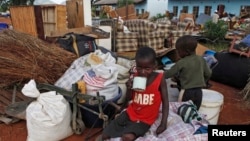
126,44
178,33
177,130
73,73
93,80
146,33
149,35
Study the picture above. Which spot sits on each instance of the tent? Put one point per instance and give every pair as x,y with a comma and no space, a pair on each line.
47,2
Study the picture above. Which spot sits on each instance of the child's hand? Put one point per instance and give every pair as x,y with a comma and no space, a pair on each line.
129,83
160,129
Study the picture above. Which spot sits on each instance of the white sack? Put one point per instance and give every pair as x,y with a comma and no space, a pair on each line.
30,89
49,117
110,91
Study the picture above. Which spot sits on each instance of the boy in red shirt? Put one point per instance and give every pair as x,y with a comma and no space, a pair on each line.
141,108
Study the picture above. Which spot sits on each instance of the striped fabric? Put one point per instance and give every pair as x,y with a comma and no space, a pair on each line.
149,34
126,45
166,28
126,41
131,35
91,79
176,34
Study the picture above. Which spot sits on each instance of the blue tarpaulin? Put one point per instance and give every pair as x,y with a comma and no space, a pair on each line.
202,19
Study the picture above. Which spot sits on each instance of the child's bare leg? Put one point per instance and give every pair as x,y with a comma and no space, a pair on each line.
128,137
105,137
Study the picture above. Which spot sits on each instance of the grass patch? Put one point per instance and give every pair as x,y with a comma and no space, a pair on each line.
217,46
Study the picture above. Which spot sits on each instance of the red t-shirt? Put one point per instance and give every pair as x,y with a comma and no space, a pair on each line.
145,105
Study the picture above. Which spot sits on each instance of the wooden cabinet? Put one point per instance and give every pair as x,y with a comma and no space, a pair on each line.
54,18
39,20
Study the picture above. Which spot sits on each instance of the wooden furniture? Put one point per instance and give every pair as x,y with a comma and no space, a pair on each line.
146,33
38,20
233,50
113,24
125,12
75,17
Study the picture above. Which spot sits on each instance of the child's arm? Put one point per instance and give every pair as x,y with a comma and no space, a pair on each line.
207,71
165,106
128,94
172,71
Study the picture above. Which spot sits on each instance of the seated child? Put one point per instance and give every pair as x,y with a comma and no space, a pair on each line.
141,108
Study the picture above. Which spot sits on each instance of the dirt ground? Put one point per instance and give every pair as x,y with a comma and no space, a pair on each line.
234,111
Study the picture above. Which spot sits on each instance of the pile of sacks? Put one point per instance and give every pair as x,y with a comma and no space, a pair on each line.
99,72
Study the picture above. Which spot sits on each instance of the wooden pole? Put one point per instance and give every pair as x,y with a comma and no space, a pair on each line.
126,9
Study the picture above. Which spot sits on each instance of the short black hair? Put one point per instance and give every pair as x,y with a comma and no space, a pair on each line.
186,43
145,53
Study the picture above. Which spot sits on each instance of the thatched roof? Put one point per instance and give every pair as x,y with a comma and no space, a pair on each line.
112,2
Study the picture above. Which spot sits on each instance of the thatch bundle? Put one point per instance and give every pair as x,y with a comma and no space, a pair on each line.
24,57
245,92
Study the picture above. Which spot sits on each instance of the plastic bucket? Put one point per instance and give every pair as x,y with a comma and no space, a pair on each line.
209,52
168,66
211,105
165,60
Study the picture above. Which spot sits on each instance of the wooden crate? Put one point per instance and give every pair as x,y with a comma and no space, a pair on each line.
127,12
54,18
39,20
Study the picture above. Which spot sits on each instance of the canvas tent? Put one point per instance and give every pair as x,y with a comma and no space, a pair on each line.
48,2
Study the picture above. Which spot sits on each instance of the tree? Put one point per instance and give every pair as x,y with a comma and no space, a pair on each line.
5,4
22,2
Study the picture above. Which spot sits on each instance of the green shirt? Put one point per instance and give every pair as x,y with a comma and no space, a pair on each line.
192,71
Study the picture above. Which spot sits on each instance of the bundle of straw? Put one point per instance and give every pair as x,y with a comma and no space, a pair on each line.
24,57
245,93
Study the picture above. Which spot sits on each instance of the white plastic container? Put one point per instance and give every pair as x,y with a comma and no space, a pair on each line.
139,83
211,105
173,93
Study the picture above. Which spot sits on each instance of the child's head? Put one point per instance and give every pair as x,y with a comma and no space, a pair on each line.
145,61
186,45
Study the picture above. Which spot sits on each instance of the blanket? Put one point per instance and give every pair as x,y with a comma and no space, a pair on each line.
177,130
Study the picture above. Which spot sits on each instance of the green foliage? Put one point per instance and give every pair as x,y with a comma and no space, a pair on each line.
218,47
121,3
103,15
158,16
215,31
5,4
